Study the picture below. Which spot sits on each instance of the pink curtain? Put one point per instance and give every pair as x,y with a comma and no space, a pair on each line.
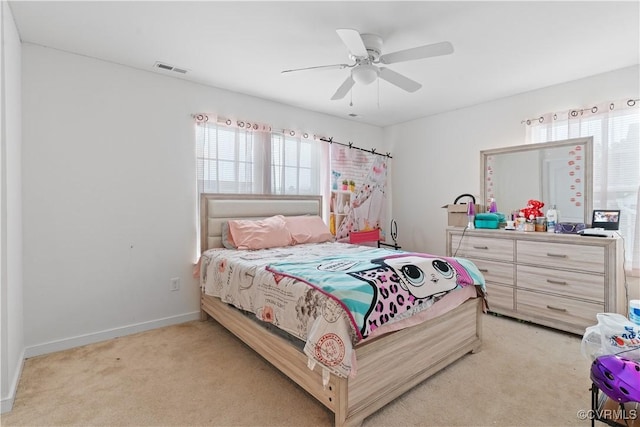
358,191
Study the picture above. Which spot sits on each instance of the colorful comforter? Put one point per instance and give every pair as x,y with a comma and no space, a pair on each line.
333,295
374,286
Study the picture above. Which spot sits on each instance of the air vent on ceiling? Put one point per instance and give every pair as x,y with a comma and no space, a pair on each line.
168,67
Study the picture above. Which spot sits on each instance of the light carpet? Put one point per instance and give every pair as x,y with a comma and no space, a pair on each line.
197,374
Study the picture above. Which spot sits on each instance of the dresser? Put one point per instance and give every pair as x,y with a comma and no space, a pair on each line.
556,280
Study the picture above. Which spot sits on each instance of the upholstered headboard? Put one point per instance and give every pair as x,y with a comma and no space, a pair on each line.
215,209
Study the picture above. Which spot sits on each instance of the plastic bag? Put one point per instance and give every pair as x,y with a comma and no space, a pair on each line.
614,334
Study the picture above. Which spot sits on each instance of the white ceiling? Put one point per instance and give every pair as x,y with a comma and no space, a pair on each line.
501,48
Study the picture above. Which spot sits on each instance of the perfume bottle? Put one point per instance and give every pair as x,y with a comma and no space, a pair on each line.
493,207
471,216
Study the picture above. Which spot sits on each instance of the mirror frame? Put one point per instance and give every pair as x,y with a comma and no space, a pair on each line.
587,142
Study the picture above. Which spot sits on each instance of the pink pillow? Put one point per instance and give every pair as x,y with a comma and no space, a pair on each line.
226,238
308,229
260,234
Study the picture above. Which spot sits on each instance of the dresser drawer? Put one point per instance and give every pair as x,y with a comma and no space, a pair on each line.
495,272
500,298
558,280
557,309
562,256
569,283
480,247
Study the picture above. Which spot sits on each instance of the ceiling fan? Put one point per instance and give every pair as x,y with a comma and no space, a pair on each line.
366,52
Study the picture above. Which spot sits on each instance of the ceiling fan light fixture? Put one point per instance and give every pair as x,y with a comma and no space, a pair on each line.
365,74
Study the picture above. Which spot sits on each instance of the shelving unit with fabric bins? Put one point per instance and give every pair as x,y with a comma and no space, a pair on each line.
339,200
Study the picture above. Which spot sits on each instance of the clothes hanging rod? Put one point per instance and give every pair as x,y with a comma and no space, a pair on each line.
350,145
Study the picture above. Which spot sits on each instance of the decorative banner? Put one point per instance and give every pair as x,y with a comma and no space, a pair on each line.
576,168
489,175
358,191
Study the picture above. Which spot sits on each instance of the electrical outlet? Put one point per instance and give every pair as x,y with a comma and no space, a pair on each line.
174,284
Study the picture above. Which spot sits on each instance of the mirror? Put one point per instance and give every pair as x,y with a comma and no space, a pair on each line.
556,173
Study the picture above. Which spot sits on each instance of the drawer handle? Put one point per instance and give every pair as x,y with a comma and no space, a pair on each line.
564,310
556,282
480,247
483,270
556,255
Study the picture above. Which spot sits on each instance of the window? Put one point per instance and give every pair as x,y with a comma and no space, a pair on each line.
234,159
615,128
245,158
228,160
295,165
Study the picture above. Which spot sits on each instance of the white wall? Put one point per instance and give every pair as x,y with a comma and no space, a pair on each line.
108,183
437,158
11,298
109,193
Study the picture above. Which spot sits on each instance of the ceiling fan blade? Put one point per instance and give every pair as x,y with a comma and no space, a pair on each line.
344,89
420,52
399,80
327,67
353,41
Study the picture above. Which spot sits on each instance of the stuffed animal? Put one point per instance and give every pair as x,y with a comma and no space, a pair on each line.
533,209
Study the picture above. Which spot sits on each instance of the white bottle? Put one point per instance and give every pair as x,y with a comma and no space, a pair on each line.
552,219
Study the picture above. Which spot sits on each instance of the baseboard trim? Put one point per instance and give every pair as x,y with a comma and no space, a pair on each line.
67,343
6,404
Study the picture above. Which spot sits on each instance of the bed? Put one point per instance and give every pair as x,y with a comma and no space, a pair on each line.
382,359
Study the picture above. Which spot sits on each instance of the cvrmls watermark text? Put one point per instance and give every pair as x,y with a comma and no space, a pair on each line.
608,414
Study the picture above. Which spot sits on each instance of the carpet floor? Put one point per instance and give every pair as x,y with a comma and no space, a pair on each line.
197,374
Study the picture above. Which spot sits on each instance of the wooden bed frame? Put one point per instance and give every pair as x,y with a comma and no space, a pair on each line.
382,373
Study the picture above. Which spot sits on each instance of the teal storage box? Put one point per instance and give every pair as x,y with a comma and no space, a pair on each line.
488,220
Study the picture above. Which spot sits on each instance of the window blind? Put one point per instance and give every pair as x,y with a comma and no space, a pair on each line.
615,128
